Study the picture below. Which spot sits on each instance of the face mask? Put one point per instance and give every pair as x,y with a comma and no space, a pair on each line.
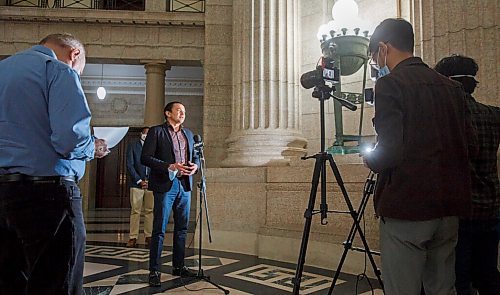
143,137
383,70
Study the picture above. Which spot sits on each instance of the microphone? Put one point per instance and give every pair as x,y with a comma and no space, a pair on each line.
198,142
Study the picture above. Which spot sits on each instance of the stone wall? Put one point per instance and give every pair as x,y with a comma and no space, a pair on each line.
468,28
121,36
260,211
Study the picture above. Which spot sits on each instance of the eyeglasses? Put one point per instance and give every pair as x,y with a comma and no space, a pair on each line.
373,63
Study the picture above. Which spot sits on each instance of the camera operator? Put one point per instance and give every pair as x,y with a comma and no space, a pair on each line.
477,247
422,157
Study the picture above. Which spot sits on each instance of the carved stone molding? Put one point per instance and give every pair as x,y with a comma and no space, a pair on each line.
119,105
149,18
178,87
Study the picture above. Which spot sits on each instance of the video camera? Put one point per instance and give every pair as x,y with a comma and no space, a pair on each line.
325,71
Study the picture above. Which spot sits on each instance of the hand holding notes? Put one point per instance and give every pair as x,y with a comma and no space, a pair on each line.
101,148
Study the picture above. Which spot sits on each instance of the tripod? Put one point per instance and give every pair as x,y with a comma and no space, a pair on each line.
203,199
367,191
323,92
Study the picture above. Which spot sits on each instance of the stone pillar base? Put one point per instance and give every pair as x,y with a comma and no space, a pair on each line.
264,148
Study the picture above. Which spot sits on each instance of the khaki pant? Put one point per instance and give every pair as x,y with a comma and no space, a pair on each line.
418,253
137,198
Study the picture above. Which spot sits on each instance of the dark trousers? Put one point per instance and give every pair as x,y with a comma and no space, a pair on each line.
178,201
43,238
477,257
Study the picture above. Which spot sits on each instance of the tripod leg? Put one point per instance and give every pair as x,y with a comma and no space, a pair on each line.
207,279
352,232
307,226
355,217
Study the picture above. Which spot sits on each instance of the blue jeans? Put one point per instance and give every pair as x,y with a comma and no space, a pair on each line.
477,252
43,238
179,201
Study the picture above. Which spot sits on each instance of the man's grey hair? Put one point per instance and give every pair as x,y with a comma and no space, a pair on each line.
64,39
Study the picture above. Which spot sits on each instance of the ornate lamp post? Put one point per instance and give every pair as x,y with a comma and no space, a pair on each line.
350,52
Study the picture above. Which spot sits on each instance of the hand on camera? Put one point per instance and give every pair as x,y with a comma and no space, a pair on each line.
100,148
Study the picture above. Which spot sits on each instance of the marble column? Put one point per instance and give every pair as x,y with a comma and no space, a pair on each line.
468,28
266,107
155,93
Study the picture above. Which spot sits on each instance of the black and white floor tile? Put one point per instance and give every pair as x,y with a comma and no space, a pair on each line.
111,268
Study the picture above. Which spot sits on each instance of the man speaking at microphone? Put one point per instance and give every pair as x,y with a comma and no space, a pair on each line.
169,151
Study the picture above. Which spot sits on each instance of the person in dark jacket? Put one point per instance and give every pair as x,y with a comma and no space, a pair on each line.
138,175
477,247
169,152
422,160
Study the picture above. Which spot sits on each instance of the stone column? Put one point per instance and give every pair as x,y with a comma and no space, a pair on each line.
155,93
468,28
266,107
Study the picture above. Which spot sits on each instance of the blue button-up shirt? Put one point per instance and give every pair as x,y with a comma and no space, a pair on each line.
44,116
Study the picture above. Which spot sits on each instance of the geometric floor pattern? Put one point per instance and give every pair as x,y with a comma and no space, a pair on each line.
111,268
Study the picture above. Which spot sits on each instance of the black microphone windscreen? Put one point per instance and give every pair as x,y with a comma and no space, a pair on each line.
197,138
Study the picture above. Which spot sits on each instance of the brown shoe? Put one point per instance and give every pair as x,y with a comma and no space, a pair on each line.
132,243
147,241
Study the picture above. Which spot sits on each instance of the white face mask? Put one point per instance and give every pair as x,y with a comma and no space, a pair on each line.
378,71
382,71
143,137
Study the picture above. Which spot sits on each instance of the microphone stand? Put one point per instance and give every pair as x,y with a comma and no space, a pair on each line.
203,199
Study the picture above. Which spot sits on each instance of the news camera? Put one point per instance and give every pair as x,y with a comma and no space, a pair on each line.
325,71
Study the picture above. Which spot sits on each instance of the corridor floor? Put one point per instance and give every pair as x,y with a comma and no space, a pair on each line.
111,268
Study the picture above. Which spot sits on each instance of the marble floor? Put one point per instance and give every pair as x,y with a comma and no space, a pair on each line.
111,268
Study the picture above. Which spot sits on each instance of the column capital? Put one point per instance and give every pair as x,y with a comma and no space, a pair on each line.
156,63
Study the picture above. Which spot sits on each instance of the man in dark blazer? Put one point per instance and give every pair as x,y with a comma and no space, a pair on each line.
425,137
138,175
169,152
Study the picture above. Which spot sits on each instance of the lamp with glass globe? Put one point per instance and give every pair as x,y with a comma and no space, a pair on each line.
350,53
101,91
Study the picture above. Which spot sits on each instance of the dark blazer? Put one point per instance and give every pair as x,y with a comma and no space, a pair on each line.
135,169
425,137
158,154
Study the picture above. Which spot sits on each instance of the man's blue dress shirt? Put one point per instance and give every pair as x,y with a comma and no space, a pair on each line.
44,116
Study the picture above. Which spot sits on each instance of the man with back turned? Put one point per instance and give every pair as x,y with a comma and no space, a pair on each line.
422,153
45,141
477,247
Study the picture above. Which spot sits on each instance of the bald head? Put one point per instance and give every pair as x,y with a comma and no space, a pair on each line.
68,50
